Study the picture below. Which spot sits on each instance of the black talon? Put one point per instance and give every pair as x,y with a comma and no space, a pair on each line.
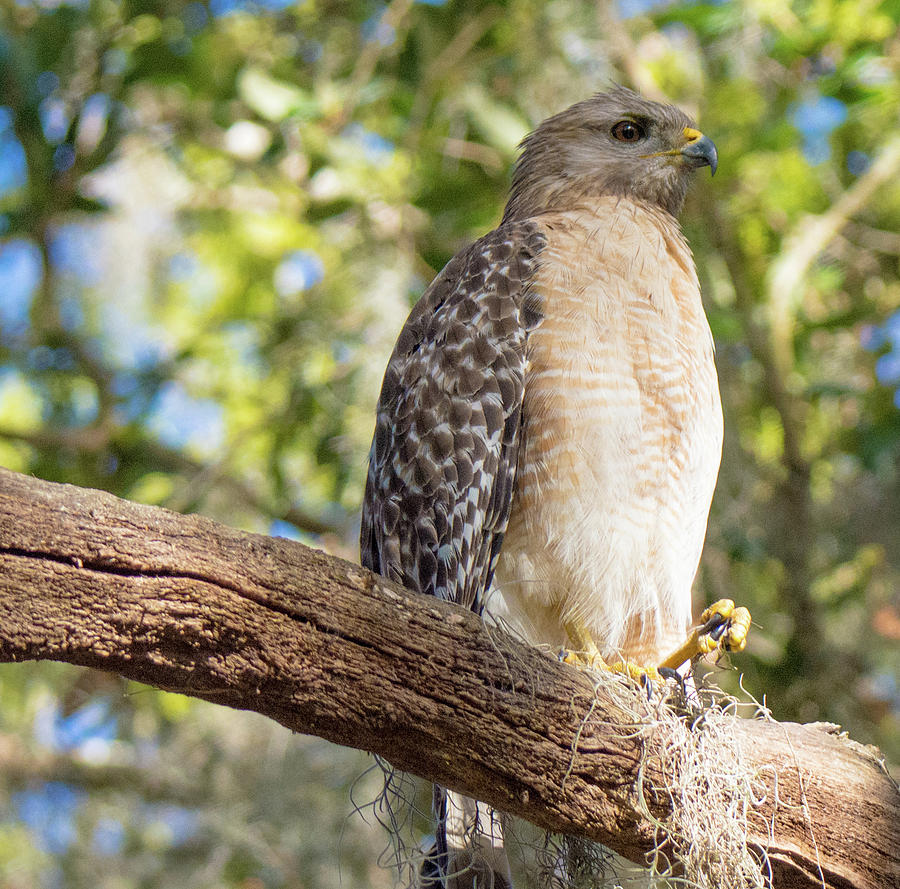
669,673
715,626
648,685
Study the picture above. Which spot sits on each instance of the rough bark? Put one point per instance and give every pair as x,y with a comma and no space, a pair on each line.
327,648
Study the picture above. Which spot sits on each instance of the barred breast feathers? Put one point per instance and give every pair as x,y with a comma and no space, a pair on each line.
622,434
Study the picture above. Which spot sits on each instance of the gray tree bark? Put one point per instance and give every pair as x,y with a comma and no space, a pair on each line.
324,647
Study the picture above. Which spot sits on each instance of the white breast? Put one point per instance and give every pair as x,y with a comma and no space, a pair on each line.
622,438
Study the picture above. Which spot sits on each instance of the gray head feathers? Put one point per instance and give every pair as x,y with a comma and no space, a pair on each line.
615,143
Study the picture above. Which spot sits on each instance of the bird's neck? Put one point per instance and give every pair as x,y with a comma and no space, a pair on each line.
535,192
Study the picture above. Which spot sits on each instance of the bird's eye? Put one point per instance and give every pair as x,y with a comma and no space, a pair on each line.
627,131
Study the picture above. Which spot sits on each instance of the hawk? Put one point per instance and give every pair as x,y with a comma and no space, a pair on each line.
549,430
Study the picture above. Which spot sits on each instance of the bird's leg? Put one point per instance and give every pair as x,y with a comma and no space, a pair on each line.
723,628
585,655
582,650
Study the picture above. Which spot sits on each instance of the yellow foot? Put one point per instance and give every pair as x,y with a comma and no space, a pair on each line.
724,628
592,660
644,675
585,655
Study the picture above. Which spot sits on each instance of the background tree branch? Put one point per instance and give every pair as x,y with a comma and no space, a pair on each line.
324,647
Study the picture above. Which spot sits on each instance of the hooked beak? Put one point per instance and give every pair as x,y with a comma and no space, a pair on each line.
700,150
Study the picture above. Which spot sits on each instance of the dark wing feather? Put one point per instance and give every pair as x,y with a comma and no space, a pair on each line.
443,460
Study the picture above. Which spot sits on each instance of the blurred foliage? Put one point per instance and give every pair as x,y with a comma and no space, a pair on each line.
213,220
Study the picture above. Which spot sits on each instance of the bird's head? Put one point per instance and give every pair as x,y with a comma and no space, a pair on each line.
615,143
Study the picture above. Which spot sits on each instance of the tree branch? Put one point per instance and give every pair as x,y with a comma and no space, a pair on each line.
327,648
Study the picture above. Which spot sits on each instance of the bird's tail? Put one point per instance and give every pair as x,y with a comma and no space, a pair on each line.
468,850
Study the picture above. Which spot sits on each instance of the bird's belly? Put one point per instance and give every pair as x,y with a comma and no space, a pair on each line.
611,549
622,441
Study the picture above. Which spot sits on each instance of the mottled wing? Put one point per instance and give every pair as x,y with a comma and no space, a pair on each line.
443,460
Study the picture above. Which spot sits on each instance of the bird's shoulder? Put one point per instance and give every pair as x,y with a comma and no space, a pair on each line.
492,275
